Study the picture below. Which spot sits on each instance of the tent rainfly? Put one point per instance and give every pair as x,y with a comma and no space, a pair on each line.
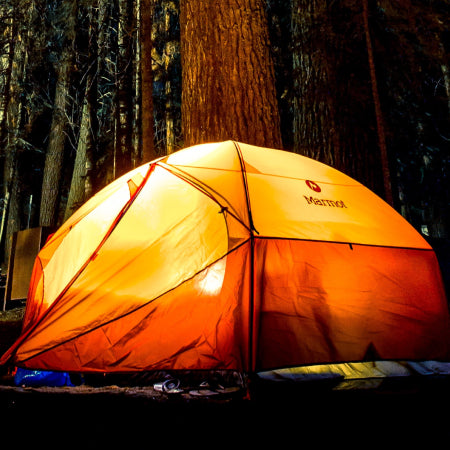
231,256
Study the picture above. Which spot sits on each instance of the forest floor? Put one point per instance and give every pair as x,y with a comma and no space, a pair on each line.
394,412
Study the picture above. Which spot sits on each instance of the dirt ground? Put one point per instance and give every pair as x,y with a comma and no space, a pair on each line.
121,417
397,412
10,326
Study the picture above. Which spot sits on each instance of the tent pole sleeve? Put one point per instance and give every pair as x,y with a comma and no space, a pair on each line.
247,195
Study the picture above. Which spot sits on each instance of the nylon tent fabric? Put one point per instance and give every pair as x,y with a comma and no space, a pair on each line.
231,256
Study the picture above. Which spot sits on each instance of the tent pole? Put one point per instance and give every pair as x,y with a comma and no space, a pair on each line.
252,229
251,356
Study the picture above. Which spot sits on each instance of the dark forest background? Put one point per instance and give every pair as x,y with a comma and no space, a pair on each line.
90,89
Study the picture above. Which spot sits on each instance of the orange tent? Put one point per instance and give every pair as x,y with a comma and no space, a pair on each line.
230,256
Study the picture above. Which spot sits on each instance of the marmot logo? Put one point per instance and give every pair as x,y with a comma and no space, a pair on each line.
323,202
313,185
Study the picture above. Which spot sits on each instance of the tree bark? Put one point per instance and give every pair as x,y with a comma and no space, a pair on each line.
148,149
13,115
55,151
332,102
378,113
81,186
170,50
10,30
8,89
228,88
124,111
106,95
314,126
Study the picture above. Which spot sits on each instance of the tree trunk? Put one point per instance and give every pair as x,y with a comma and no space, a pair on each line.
331,105
55,151
13,115
81,187
13,223
148,149
446,77
378,113
124,111
106,95
136,132
8,89
169,52
228,88
314,127
10,30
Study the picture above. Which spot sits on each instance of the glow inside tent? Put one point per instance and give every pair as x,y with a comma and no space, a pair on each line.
230,256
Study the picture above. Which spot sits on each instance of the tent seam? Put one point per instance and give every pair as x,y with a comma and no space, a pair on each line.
343,243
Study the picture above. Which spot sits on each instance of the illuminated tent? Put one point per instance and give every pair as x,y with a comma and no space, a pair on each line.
230,256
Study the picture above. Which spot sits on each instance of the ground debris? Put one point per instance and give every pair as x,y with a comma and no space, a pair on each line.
12,315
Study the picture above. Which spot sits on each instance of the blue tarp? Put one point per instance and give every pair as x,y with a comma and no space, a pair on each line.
27,378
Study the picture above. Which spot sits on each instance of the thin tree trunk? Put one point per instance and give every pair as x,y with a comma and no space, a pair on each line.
107,97
446,76
169,52
55,151
4,213
80,186
228,87
136,156
124,113
378,113
148,149
13,223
